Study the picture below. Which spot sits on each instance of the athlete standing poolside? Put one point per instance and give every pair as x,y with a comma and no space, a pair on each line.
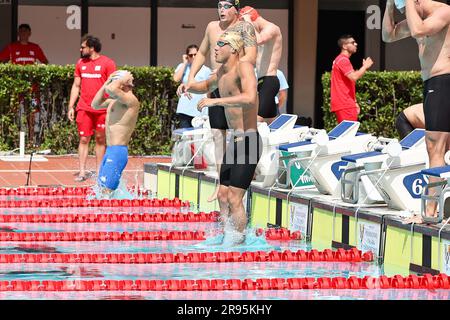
428,22
270,42
122,113
228,21
237,84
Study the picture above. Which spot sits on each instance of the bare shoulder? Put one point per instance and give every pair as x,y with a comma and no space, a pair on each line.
443,12
213,26
246,68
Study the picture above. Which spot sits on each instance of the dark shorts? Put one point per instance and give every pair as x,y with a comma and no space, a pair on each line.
268,88
216,114
240,160
113,164
436,105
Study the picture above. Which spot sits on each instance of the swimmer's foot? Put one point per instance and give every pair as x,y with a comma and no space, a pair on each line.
213,197
417,219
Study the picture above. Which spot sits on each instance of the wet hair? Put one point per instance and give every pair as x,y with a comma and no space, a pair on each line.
25,26
192,46
343,39
92,42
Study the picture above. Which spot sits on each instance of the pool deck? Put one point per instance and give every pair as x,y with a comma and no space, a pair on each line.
61,170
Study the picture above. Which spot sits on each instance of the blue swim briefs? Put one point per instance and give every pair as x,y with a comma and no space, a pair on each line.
114,162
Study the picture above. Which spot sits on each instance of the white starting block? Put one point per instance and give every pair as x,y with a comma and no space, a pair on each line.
281,131
394,174
321,156
194,146
443,193
22,157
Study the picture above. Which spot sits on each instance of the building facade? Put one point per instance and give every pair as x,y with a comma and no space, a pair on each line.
156,32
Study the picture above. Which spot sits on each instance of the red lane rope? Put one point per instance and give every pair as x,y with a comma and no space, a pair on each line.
427,282
102,236
77,202
270,234
341,255
49,191
111,217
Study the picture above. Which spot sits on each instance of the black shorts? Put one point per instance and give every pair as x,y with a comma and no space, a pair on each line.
216,114
436,105
240,160
268,88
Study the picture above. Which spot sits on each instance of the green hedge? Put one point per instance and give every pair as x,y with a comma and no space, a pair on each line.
381,96
154,88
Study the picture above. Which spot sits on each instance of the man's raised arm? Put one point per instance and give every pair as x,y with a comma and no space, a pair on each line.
431,25
391,31
200,58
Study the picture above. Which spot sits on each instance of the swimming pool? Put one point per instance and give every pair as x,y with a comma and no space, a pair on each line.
163,268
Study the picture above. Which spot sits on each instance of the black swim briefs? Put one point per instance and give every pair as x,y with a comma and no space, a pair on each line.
240,160
268,88
436,104
217,117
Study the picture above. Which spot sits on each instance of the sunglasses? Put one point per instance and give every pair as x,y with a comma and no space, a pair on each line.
191,55
226,6
83,47
221,43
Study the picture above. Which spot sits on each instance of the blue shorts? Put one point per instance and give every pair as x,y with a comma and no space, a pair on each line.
114,162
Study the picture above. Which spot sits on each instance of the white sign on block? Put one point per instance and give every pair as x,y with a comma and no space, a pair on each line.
369,235
299,217
446,257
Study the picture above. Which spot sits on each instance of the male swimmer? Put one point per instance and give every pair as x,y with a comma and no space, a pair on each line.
228,21
237,85
122,113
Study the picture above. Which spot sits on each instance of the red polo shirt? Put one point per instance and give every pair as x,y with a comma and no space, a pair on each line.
23,54
93,74
343,90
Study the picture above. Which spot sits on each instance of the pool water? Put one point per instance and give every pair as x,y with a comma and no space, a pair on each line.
175,271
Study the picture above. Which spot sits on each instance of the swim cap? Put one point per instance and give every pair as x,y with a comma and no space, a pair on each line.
235,3
234,39
252,12
120,74
400,5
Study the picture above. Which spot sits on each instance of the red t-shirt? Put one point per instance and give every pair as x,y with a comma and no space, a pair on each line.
93,74
343,90
23,54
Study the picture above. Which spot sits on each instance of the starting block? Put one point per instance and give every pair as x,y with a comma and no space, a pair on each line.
321,156
394,174
443,193
281,131
194,147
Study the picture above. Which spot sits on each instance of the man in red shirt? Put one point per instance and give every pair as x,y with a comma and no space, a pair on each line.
91,72
24,52
343,81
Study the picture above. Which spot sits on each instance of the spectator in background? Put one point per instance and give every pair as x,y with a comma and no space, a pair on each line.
24,52
282,96
343,81
187,105
91,72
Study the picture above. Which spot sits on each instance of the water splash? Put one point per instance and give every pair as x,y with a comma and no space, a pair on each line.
227,242
121,193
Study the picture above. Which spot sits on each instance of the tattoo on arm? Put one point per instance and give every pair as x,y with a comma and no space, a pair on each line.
248,35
